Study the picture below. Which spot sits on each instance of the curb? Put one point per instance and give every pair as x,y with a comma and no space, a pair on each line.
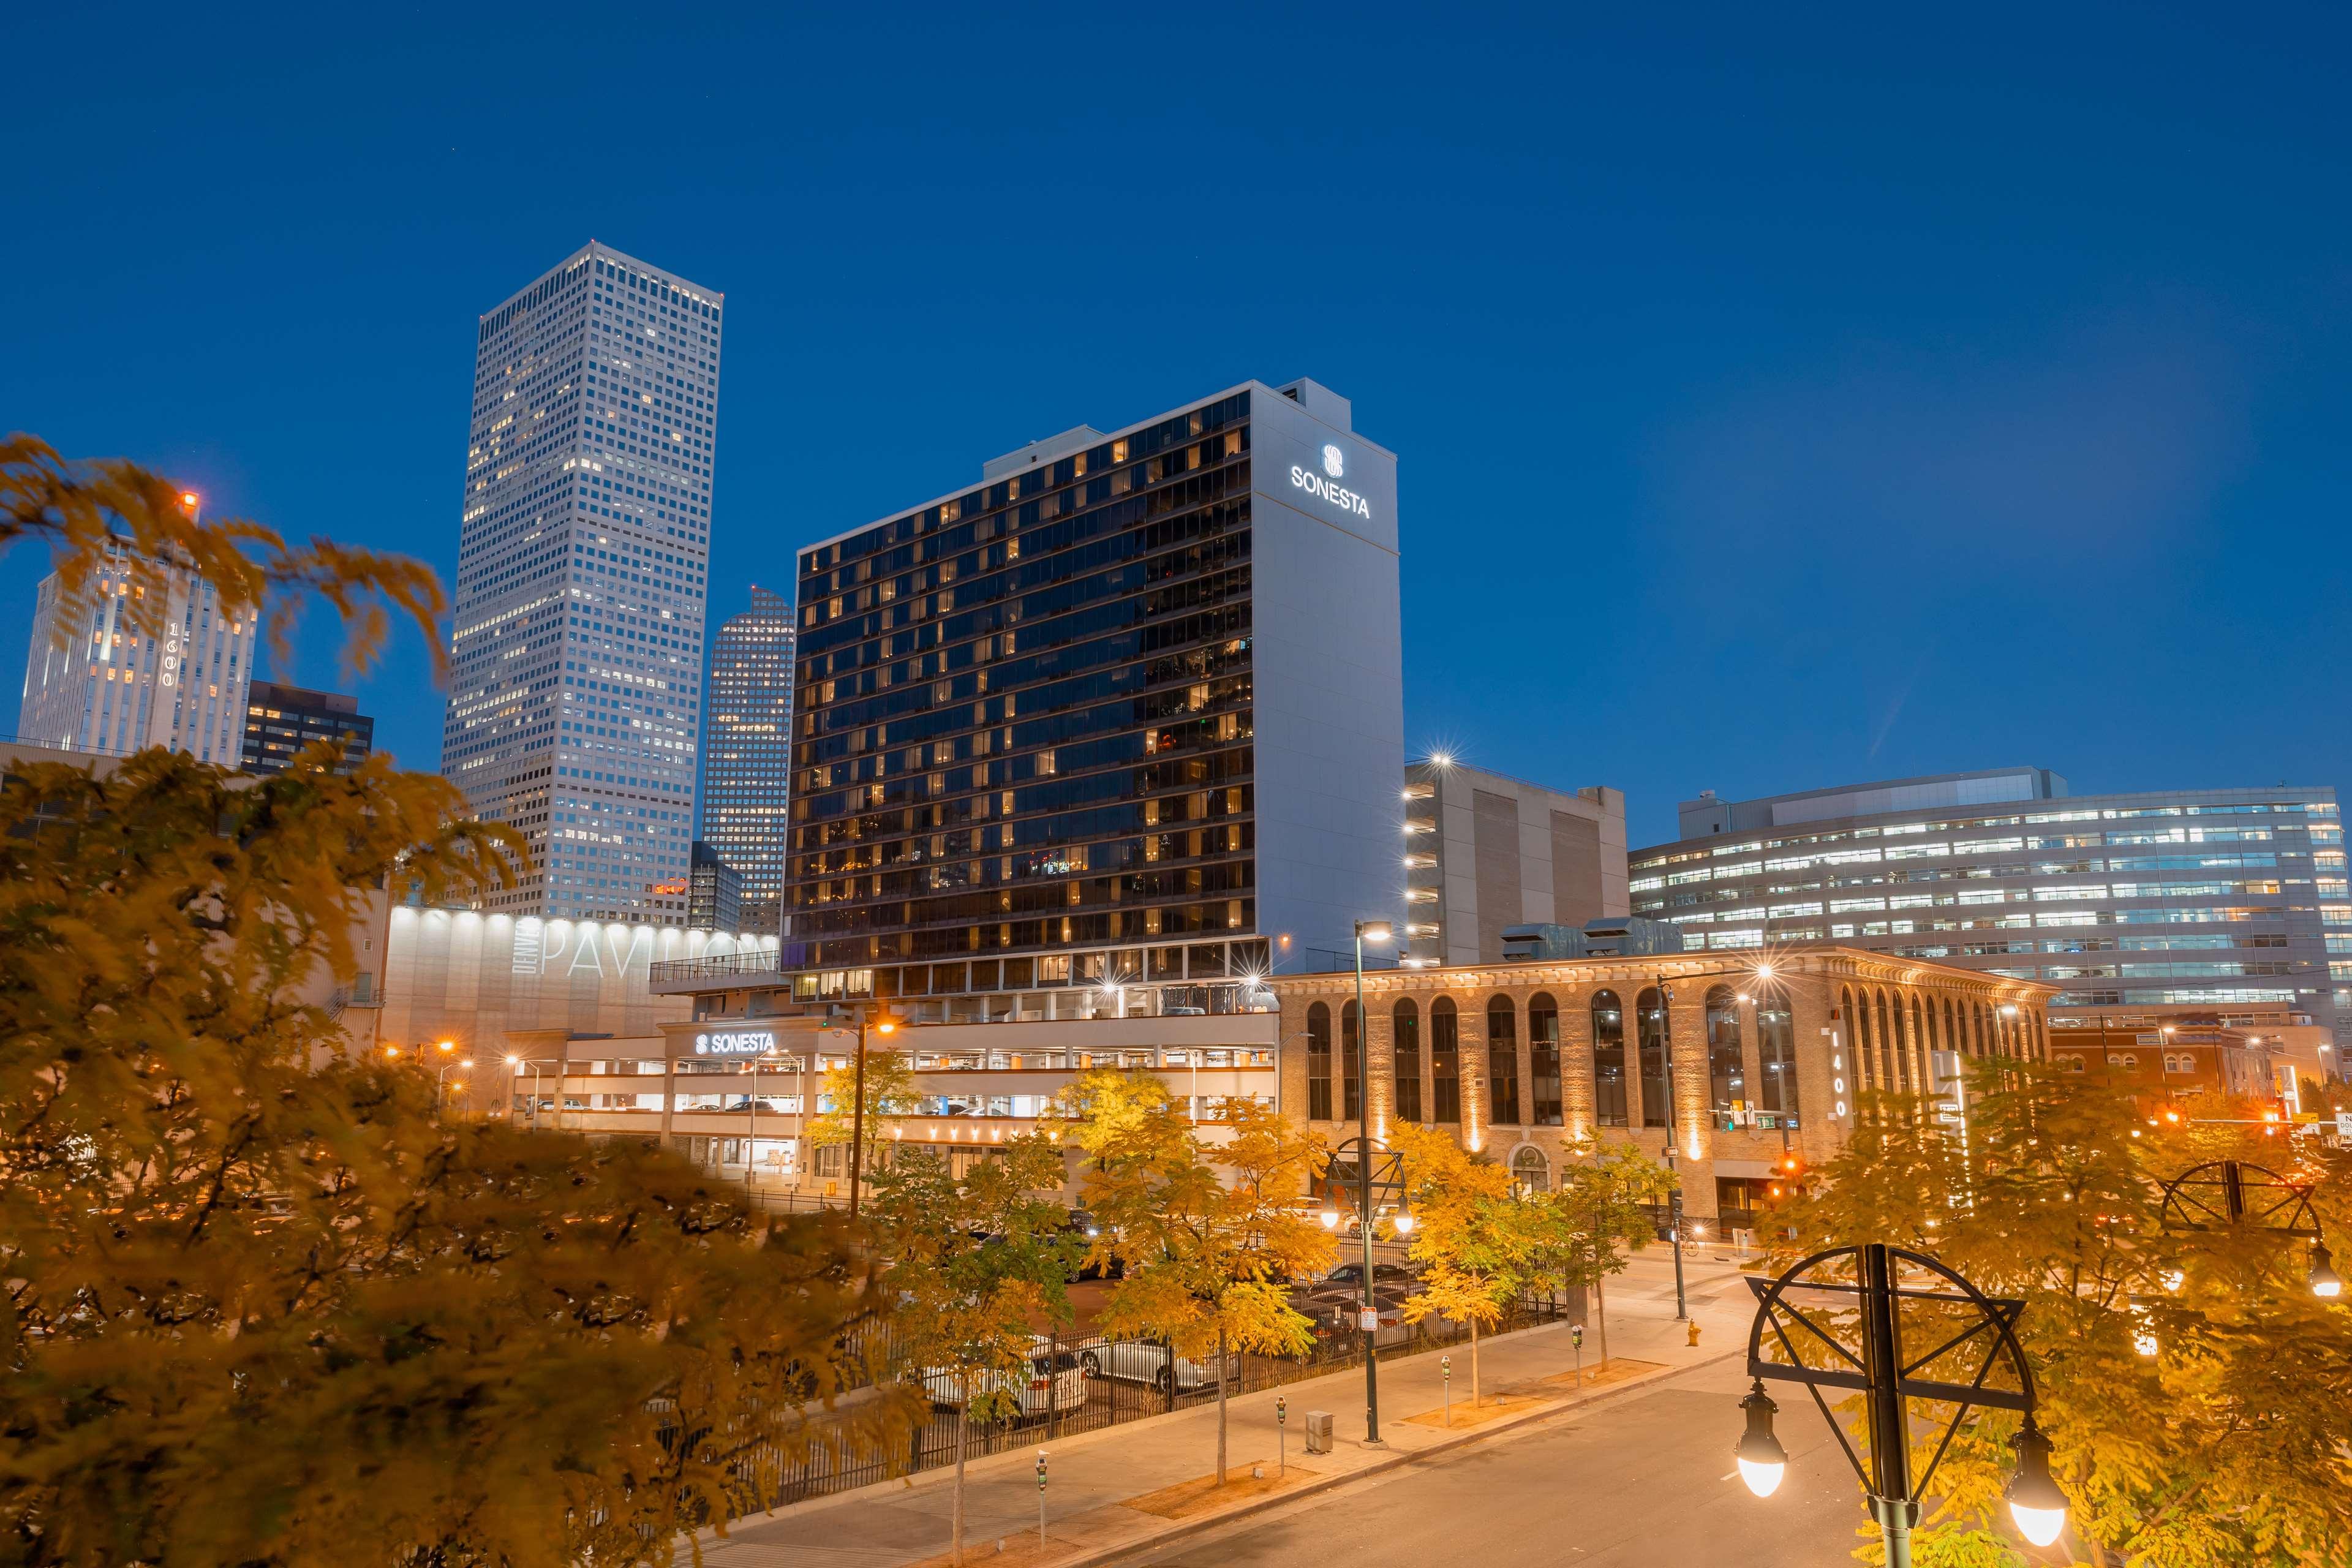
1102,1557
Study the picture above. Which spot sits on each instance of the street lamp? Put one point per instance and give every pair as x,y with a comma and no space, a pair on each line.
1877,1368
1369,1324
884,1023
2234,1194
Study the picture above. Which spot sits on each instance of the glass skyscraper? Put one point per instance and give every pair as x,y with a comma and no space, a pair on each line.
746,771
2223,899
576,684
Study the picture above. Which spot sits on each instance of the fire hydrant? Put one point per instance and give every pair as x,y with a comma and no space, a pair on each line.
1694,1330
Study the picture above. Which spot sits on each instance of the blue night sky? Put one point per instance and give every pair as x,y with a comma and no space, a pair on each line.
1782,399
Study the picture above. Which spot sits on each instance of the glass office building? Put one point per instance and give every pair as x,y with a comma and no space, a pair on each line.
2221,900
1126,716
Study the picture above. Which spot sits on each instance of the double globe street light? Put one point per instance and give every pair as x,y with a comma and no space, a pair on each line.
1964,1324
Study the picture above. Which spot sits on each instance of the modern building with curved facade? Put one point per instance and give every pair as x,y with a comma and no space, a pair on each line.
1741,1070
2232,902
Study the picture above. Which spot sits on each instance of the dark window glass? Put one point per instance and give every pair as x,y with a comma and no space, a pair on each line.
1775,1054
1608,1060
1319,1063
1650,1038
1444,1062
1543,1058
1727,1075
1898,1071
1351,1063
1408,1062
1503,1061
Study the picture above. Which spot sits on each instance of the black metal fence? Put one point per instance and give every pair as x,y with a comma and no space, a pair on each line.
1118,1381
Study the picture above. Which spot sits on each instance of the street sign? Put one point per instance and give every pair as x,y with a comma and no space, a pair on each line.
1369,1320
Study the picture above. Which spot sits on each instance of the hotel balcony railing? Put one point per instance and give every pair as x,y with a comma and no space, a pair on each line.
720,967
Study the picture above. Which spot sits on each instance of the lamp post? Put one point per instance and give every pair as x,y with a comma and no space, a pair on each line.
1968,1327
1762,972
1372,1170
885,1022
2232,1195
441,1081
1370,1323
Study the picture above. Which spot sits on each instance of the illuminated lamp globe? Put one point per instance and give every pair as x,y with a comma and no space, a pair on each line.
2034,1501
1403,1222
2325,1283
1762,1461
1330,1218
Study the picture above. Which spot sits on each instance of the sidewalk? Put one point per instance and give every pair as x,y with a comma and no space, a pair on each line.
1118,1490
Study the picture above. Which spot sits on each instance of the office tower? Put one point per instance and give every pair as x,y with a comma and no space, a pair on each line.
279,720
112,689
1484,853
747,771
575,690
1126,717
2226,901
715,892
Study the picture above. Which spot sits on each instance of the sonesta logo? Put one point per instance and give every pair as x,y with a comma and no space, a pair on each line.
1321,488
736,1043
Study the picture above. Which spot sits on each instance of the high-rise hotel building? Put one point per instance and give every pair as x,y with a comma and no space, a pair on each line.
576,692
110,686
1125,716
2229,901
747,770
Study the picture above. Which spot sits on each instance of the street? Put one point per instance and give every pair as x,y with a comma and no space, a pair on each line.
1637,1482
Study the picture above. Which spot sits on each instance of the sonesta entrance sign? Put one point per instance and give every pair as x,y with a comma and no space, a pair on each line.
1320,485
736,1043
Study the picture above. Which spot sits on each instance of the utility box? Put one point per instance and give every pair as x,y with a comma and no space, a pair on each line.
1318,1431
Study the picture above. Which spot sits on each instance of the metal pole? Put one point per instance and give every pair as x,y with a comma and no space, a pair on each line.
1372,1320
1890,1433
1674,1198
751,1138
858,1120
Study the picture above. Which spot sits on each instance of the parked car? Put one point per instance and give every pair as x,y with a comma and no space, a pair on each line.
1141,1361
1403,1276
1053,1382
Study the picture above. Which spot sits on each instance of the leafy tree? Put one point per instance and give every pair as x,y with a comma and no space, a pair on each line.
1479,1240
1106,1108
262,1306
890,1098
973,1265
2229,1444
1599,1214
1209,1235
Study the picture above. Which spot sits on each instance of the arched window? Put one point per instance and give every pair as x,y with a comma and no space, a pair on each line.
1867,1073
1930,1040
1650,1039
1727,1071
1408,1061
1530,1172
1543,1059
1608,1060
1351,1063
2040,1038
1319,1062
1952,1036
1890,1039
1444,1062
1775,1054
1502,1061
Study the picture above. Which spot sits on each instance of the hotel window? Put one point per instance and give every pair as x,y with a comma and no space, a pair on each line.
1502,1062
1543,1053
1407,1018
1319,1063
1608,1060
1650,1030
1725,1072
1444,1061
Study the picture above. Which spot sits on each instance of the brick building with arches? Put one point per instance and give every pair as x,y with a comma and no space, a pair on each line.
1752,1060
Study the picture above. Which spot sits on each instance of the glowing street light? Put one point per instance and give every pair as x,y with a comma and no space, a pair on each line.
2034,1501
1762,1461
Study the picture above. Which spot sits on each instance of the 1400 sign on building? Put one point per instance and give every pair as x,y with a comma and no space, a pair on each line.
1335,466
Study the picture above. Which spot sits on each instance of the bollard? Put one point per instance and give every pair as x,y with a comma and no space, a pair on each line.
1041,1499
